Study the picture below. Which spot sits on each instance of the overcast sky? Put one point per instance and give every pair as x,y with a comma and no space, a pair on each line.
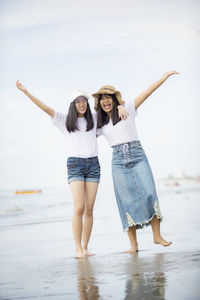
55,46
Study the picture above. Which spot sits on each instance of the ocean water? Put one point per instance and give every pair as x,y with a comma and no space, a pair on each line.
37,249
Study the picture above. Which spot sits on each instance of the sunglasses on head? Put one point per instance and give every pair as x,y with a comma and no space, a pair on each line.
81,99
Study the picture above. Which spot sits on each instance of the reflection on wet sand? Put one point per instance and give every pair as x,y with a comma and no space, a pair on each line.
145,284
145,276
86,283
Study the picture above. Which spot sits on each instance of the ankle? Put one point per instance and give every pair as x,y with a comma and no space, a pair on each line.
79,247
157,237
134,244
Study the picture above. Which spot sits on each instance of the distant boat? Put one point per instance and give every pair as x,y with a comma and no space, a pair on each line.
28,192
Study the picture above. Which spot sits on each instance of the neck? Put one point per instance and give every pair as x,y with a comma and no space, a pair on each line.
80,116
109,115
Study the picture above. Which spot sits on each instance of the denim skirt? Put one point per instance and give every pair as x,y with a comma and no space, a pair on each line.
134,185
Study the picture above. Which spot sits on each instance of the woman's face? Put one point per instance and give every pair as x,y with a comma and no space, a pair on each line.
81,105
106,103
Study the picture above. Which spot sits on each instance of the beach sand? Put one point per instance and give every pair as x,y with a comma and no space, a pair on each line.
37,250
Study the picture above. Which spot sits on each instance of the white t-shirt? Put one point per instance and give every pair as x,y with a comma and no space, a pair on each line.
124,131
80,143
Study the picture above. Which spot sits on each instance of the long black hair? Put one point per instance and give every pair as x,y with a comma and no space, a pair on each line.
72,116
102,116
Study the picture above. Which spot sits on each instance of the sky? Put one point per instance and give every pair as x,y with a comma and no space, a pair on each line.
56,46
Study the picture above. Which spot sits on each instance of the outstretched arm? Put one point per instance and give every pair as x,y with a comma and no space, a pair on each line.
143,96
39,103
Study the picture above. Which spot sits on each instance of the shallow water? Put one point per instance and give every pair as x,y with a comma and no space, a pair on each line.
37,249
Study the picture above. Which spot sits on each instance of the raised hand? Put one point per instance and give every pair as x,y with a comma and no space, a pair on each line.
122,112
21,87
144,95
169,73
35,100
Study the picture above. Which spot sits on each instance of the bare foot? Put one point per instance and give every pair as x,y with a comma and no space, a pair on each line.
79,254
133,249
162,242
86,253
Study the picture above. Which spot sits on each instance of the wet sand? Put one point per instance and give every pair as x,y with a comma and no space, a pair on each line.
37,259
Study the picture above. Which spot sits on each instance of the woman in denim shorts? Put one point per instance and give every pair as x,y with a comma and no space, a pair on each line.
133,181
79,130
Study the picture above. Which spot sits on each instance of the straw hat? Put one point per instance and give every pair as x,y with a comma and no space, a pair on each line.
107,89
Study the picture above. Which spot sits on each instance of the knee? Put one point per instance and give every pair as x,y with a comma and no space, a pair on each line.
79,210
88,210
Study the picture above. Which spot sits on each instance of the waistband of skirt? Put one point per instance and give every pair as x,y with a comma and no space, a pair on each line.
118,147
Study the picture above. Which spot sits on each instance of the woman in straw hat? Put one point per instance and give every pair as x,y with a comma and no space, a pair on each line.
79,130
132,177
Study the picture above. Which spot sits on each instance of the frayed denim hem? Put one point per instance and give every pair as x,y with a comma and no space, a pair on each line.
146,223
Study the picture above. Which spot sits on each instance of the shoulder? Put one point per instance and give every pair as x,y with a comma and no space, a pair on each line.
130,107
58,118
59,115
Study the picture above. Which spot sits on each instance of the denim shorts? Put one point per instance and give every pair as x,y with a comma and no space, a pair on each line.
83,169
134,185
